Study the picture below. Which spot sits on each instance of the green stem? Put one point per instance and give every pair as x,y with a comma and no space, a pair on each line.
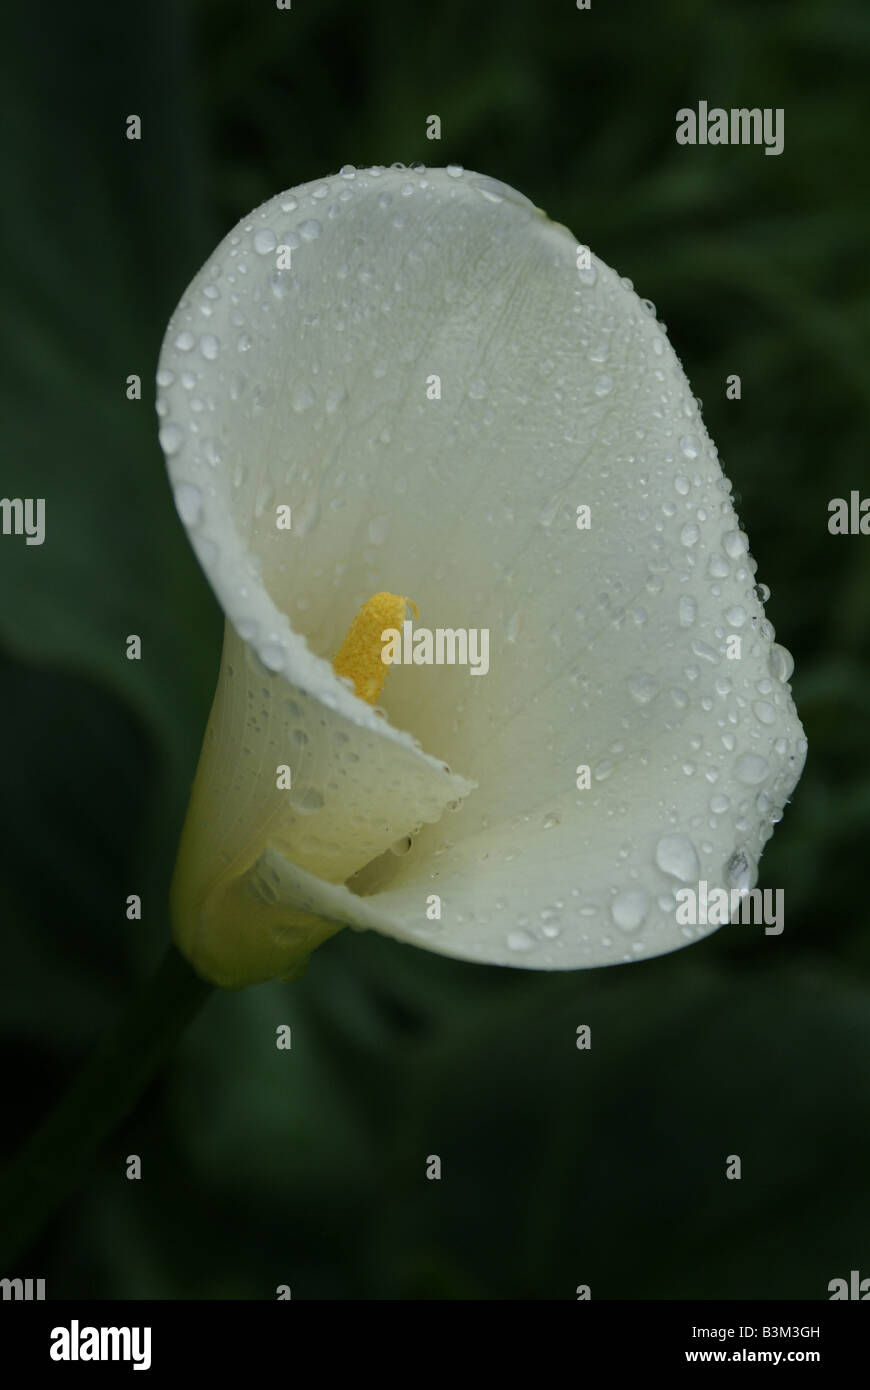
60,1154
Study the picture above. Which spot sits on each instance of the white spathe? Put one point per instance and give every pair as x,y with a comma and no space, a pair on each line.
311,387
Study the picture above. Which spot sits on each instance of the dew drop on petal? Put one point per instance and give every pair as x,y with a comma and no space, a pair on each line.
688,610
265,241
740,870
780,662
629,909
676,856
188,501
272,656
735,544
752,769
764,712
643,687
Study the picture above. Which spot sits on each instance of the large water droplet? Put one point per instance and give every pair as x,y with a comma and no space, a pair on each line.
676,856
764,711
751,769
272,656
265,241
735,544
188,501
740,870
170,437
629,909
780,662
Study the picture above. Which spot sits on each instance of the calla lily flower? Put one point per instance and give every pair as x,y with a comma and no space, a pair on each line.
398,382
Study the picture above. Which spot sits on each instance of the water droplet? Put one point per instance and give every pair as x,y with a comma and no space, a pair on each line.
455,171
780,662
735,544
690,534
188,501
378,528
265,241
688,610
689,446
164,377
676,856
551,820
272,656
209,346
752,769
310,230
185,341
704,651
719,804
309,802
735,616
740,870
643,687
764,712
170,437
603,384
520,941
682,484
629,909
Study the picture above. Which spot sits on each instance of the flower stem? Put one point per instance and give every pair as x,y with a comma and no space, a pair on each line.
60,1154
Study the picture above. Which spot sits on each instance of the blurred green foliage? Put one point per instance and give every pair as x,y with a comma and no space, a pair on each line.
263,1167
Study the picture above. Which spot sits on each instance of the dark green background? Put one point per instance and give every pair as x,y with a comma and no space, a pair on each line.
307,1168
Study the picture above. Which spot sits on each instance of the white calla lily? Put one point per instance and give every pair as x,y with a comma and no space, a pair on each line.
313,386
